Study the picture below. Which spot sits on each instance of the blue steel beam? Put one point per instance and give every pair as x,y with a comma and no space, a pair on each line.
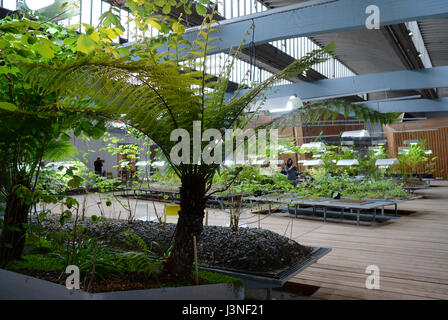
436,77
416,105
318,17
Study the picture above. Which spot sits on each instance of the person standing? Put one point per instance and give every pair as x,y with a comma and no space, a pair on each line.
290,171
98,164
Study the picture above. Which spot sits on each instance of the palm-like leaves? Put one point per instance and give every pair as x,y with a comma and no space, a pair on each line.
152,96
330,109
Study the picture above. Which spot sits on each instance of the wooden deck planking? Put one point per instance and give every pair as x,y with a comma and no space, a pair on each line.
411,252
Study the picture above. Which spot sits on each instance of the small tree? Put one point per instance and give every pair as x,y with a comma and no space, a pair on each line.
28,130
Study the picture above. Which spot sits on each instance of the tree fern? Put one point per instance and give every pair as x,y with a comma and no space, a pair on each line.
157,95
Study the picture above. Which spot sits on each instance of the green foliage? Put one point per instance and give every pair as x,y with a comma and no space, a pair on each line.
37,262
323,184
107,264
157,105
27,132
168,178
143,259
367,164
250,179
214,277
313,111
411,161
154,92
67,175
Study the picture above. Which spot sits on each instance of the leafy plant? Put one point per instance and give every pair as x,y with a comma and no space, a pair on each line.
412,160
28,133
158,92
142,260
107,261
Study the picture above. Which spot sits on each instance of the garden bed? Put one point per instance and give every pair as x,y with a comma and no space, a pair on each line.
248,249
25,287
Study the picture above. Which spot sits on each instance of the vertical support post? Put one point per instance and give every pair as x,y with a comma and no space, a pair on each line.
357,217
374,216
268,293
325,214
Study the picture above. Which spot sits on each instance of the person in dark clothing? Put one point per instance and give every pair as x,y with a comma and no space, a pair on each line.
290,171
98,166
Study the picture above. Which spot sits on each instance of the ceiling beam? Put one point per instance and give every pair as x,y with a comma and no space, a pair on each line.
318,17
417,105
436,77
404,46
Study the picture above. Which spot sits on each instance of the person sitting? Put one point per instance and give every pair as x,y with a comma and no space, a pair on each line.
291,170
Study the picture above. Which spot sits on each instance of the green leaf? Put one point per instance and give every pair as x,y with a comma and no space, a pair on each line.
65,137
124,51
45,50
85,44
52,30
69,40
42,216
178,27
95,36
166,9
153,23
74,182
4,44
200,9
73,27
7,106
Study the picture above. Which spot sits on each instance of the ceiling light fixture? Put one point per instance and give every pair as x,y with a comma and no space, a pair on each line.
293,103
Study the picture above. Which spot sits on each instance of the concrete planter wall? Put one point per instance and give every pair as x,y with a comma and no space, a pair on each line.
15,286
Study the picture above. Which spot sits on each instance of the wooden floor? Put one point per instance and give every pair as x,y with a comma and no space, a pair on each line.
411,252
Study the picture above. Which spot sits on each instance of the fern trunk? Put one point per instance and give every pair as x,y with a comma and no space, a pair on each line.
191,216
12,239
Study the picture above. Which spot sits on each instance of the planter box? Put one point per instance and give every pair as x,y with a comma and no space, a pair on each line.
257,280
16,286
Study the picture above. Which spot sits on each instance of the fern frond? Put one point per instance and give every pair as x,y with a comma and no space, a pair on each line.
231,112
330,108
134,241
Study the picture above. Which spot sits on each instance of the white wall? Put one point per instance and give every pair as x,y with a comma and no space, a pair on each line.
93,147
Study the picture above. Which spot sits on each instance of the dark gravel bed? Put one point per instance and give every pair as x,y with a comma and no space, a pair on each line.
248,249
